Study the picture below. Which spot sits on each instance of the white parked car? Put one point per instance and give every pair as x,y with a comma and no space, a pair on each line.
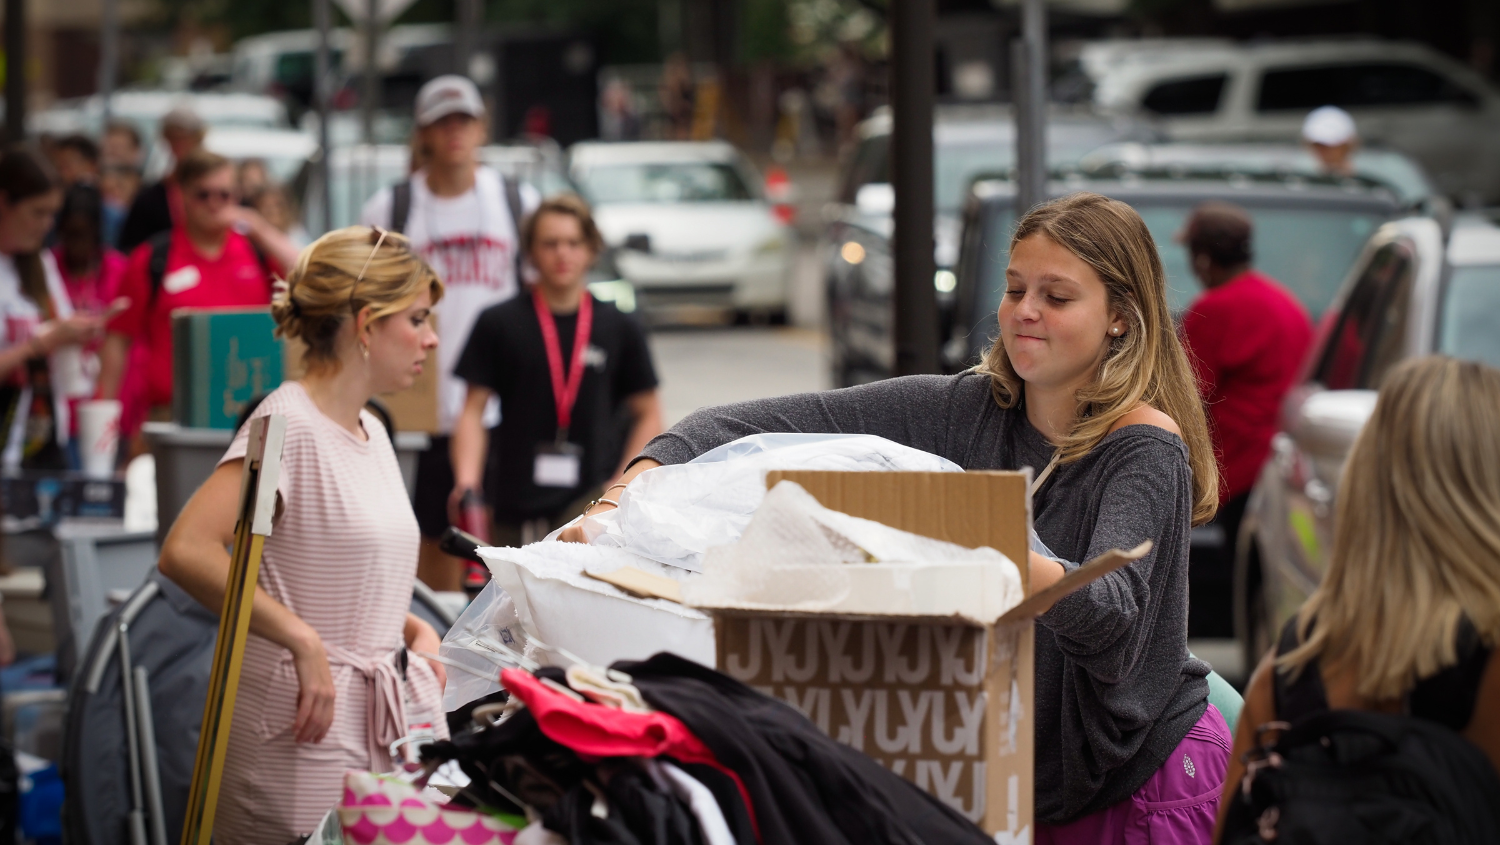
688,223
144,110
1402,95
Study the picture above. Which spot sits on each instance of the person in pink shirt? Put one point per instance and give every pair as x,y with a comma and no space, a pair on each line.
1247,337
91,271
220,255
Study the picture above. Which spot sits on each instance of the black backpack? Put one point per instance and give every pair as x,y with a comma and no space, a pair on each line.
1354,776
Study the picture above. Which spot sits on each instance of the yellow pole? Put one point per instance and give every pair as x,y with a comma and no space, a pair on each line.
257,507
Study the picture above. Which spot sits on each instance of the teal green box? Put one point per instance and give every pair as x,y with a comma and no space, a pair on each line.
222,358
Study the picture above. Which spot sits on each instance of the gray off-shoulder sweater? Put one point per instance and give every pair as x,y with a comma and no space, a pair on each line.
1116,689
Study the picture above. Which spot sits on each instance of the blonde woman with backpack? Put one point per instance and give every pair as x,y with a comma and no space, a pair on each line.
1405,623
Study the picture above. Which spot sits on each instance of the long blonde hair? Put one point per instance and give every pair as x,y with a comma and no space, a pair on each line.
1145,364
321,291
1416,538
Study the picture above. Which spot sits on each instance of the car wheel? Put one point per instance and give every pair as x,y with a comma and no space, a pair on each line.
760,317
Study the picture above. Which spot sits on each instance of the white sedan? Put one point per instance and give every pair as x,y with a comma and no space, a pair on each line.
688,223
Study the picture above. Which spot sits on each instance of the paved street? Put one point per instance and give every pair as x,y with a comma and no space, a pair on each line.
701,367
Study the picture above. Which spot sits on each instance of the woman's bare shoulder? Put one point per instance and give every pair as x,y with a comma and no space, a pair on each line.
1147,415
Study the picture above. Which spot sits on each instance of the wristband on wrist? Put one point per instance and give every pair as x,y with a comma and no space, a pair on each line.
599,501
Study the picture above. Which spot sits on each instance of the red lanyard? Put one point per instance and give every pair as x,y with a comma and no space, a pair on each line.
565,393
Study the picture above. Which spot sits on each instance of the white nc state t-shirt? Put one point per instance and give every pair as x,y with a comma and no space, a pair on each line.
471,242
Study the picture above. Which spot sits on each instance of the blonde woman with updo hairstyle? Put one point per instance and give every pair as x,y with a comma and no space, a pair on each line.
1407,618
322,688
1088,385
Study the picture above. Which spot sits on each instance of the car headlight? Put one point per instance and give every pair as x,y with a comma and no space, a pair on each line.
770,245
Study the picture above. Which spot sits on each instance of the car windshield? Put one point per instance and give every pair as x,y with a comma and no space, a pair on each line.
1307,250
963,153
956,167
1471,315
689,181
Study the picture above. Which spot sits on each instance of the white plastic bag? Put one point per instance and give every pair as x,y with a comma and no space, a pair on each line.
669,517
798,555
674,514
563,611
489,619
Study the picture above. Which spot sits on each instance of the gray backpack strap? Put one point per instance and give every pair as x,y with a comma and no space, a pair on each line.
513,199
400,205
517,214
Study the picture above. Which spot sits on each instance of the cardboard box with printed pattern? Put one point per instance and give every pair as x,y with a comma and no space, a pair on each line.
944,701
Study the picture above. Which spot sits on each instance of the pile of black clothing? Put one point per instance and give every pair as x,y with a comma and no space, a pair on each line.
776,778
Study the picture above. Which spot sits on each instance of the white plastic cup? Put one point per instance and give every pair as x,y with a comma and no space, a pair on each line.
69,376
98,436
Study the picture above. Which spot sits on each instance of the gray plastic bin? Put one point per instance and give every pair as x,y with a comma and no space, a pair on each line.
186,457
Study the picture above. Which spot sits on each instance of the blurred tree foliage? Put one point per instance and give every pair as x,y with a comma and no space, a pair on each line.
771,30
767,31
627,28
817,27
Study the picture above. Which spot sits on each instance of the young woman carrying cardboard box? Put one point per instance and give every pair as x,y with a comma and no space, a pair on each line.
1088,381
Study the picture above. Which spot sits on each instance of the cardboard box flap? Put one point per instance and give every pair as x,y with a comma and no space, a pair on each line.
1042,601
944,506
640,583
646,585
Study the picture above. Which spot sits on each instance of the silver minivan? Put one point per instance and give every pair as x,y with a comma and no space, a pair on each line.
1415,290
1402,95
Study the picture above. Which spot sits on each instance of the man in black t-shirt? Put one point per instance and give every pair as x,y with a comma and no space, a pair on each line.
159,205
570,372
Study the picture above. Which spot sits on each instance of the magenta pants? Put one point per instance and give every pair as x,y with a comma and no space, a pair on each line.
1176,806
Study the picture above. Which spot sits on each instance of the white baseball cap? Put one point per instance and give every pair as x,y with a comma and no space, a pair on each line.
1330,126
445,95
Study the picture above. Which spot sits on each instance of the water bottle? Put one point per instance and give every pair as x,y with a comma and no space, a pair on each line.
474,518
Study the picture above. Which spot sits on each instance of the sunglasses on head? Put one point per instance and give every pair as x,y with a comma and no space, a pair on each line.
205,194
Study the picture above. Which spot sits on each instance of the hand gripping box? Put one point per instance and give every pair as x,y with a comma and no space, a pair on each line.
945,701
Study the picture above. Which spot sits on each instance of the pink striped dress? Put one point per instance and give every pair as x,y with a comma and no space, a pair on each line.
342,556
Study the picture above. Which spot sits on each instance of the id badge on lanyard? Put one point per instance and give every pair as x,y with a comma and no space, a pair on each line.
560,462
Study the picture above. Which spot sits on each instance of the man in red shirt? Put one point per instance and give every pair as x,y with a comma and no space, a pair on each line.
1247,337
209,264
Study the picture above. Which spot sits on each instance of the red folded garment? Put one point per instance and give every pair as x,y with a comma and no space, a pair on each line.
600,731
